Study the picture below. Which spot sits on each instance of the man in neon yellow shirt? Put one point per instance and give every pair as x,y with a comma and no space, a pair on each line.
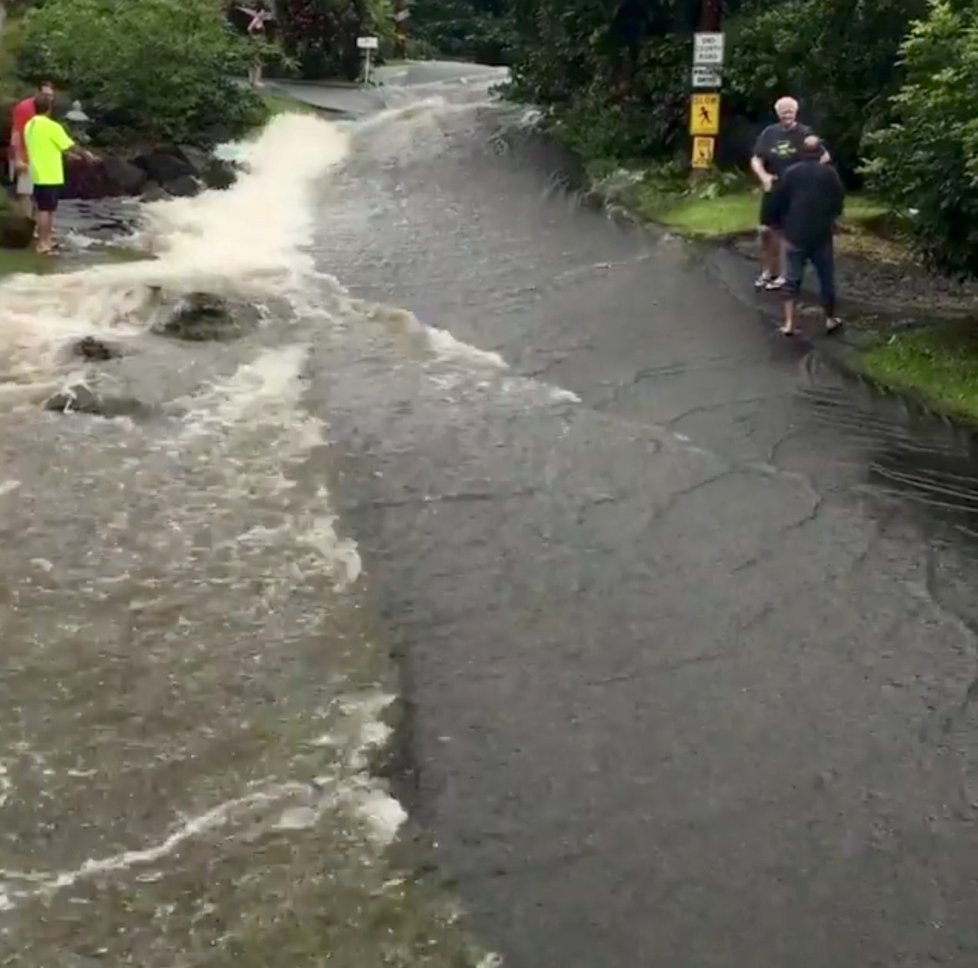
47,143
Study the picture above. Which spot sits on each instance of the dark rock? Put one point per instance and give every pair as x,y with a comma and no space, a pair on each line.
91,348
202,316
220,175
125,177
154,193
186,186
85,180
164,165
76,399
111,177
197,158
16,230
80,399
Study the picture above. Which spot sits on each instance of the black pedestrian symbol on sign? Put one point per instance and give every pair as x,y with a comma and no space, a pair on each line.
705,114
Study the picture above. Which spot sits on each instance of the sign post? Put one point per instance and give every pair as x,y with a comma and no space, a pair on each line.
367,45
706,79
402,18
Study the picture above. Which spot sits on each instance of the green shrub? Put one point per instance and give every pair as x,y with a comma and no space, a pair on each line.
321,35
926,161
164,68
474,29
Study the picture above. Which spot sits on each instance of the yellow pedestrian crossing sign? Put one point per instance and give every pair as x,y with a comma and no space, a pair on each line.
703,152
704,114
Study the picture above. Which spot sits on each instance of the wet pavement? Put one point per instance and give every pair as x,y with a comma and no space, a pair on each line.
689,660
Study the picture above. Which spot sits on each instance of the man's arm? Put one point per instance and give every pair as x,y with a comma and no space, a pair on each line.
17,149
757,162
67,145
840,195
757,166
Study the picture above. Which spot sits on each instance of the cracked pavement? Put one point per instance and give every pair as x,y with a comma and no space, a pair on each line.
689,665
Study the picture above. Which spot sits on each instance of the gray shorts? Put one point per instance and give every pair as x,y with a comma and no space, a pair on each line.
23,181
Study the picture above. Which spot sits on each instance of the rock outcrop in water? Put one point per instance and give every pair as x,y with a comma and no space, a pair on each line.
91,348
158,173
82,399
16,230
202,316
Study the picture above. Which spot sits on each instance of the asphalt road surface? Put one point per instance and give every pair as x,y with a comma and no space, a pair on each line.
689,657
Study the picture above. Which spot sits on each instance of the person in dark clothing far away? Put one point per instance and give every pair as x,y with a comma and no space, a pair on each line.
806,204
776,150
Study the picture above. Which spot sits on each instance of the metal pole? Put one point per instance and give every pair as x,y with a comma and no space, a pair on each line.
704,140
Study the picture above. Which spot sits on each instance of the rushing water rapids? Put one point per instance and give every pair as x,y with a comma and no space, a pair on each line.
192,693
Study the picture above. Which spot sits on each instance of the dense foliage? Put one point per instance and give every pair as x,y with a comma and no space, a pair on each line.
838,57
895,78
927,159
321,35
162,68
478,30
617,73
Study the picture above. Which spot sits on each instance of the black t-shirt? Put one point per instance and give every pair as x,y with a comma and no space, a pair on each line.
780,147
806,202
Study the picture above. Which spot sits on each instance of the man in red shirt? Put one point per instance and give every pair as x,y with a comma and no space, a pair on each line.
20,171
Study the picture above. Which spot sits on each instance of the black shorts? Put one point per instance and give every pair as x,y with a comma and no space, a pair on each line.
46,197
767,211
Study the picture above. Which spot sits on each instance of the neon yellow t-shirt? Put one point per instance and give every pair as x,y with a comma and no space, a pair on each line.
47,141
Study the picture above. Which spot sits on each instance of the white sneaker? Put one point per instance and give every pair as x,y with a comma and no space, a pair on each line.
776,283
762,280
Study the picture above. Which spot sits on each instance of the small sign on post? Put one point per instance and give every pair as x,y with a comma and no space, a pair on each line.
367,45
704,114
706,77
703,149
708,48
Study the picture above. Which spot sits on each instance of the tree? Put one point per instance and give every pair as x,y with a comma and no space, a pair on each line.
478,30
838,57
926,160
322,34
164,68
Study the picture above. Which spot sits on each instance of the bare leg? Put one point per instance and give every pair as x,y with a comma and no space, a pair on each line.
769,251
45,231
780,258
788,329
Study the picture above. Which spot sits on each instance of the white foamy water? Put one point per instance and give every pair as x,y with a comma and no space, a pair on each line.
244,242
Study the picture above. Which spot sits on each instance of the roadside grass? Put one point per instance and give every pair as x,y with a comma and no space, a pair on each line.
283,104
940,363
734,213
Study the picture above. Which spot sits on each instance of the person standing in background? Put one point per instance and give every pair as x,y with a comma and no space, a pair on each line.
806,202
20,172
777,149
259,15
47,143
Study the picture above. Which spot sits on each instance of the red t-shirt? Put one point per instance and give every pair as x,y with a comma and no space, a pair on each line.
23,112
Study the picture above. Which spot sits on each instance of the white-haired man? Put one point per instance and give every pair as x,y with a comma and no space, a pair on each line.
777,148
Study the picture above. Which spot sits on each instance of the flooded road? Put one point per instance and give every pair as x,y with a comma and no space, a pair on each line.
675,622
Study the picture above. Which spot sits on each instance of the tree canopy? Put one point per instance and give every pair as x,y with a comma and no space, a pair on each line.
163,68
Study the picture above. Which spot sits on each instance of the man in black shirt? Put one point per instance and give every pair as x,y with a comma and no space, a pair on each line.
806,203
776,150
